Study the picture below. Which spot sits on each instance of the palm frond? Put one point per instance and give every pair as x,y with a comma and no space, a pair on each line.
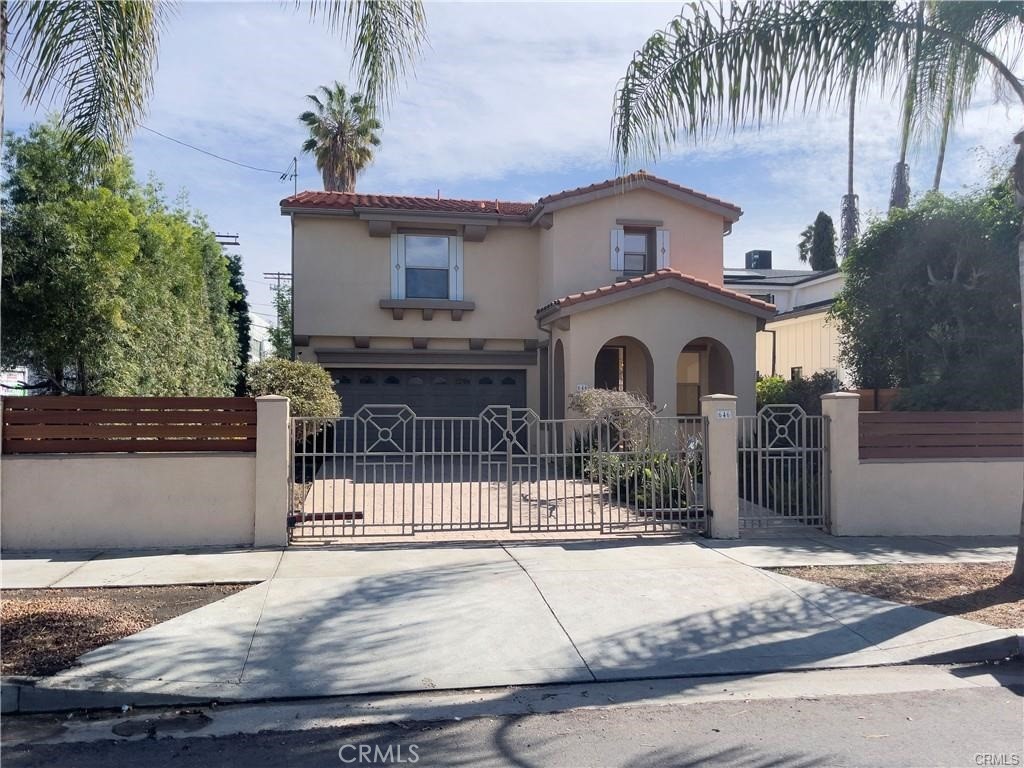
99,58
387,37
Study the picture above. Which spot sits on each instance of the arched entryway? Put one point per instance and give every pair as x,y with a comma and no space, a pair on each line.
704,367
624,363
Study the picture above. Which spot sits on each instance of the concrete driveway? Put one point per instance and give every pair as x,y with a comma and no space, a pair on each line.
416,617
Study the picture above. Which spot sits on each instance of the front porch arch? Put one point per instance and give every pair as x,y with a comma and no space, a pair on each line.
625,363
704,367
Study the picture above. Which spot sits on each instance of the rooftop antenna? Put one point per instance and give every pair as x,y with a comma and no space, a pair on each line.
438,193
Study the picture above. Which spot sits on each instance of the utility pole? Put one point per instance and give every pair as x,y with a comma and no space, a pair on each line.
224,239
293,174
279,279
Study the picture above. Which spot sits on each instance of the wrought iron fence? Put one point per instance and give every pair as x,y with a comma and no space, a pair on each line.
386,471
783,469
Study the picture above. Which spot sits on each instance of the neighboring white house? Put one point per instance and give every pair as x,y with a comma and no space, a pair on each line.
801,339
259,338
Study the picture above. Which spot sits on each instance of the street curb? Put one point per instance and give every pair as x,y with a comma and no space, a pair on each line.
25,695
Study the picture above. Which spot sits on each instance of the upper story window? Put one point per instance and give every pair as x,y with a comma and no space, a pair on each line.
639,250
426,266
638,247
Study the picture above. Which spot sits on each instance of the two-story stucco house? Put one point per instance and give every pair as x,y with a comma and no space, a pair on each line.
453,305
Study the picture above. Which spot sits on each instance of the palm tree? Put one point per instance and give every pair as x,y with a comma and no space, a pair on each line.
342,135
751,63
849,222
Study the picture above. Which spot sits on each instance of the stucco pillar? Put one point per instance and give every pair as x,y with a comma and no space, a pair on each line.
270,490
721,478
843,412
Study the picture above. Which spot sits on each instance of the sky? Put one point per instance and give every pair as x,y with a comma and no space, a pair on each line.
509,101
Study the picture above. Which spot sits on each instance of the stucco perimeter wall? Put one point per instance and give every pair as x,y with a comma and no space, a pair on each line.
937,498
576,248
341,274
123,501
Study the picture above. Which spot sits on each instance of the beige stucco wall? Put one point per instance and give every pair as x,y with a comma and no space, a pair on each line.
937,498
664,321
578,241
341,274
118,501
809,341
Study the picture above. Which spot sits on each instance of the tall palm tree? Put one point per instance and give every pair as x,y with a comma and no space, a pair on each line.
749,63
342,135
899,195
849,222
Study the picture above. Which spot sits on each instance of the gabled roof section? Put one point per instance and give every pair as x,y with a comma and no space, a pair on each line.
355,201
629,183
663,278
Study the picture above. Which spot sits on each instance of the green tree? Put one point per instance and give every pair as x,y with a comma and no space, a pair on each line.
280,335
106,289
926,305
751,63
307,385
342,135
238,311
818,243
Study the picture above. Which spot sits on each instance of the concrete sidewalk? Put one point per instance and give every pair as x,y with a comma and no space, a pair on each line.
98,568
404,618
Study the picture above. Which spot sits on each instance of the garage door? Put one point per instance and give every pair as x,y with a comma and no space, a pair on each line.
431,392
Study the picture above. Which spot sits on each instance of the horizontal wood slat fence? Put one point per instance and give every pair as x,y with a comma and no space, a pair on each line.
934,435
128,424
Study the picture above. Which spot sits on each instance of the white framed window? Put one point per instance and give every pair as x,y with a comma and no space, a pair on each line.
639,250
426,266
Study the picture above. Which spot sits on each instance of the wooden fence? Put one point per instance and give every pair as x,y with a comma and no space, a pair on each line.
941,435
128,424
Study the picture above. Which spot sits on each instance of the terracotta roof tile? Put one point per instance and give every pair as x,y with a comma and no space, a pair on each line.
634,178
341,201
654,277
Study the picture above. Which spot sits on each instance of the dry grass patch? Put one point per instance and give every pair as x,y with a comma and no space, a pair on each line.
43,631
974,591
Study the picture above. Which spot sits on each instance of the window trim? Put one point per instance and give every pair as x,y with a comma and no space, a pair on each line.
455,268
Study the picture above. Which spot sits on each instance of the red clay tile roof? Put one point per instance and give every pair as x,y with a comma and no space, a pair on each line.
635,178
654,277
341,201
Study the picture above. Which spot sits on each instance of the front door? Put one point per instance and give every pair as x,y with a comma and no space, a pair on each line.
608,368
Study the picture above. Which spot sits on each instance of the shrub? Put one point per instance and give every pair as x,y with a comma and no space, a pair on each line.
803,392
307,385
626,414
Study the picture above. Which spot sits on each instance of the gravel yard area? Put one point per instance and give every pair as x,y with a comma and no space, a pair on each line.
43,631
974,591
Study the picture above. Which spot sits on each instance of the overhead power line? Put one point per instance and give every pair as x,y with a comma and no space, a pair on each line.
289,173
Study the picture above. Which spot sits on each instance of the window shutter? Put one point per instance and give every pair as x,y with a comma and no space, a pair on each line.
616,258
663,250
397,266
455,270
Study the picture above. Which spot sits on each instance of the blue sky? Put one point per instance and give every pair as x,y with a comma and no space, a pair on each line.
510,101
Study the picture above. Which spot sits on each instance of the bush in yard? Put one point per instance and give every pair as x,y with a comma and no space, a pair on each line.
806,393
307,385
770,389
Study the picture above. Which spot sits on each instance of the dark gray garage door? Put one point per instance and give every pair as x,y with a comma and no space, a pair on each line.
431,392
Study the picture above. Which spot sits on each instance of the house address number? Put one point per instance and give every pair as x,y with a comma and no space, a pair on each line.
724,413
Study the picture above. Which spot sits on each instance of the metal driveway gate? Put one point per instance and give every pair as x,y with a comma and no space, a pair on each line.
384,471
783,469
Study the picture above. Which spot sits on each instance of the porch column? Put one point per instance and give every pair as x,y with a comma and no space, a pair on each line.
843,412
721,476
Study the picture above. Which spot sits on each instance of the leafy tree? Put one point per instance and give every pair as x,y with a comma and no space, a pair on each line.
750,63
818,243
927,307
342,135
281,334
106,289
238,311
307,385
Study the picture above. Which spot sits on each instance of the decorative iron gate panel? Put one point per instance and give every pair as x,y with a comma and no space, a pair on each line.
386,472
783,469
